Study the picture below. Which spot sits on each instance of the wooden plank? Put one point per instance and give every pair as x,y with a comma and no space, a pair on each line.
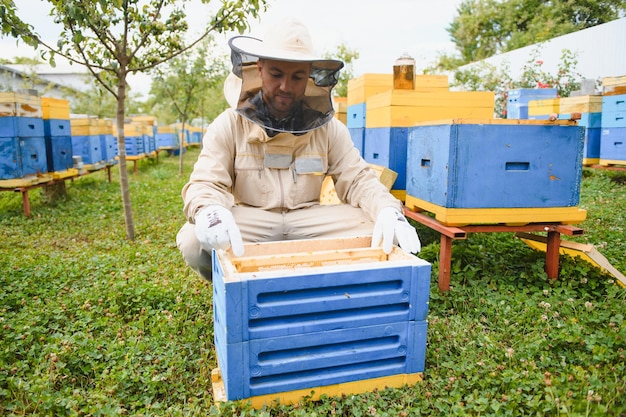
307,259
574,249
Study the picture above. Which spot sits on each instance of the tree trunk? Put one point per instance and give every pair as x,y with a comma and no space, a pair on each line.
53,192
121,152
182,149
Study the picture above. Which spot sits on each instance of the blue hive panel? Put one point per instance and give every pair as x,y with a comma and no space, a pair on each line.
592,142
387,146
355,116
517,100
56,127
134,145
21,157
26,127
613,144
281,364
108,145
321,299
59,153
358,137
614,111
87,147
166,140
499,165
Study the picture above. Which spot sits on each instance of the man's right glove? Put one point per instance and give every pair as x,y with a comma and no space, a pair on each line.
216,229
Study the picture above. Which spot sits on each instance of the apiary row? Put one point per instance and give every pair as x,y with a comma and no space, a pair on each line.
38,135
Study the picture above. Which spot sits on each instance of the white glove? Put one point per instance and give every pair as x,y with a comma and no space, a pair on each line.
216,229
392,227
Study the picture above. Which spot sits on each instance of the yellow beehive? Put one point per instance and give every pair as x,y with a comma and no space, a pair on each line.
341,108
543,107
84,126
166,129
431,83
581,104
21,105
145,120
612,86
55,108
360,88
404,108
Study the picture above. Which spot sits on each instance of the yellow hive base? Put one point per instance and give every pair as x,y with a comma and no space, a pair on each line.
315,393
508,216
590,161
25,182
68,173
607,162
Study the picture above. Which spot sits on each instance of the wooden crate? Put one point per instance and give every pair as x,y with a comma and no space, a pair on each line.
20,105
404,108
55,108
581,104
301,314
614,85
544,107
361,88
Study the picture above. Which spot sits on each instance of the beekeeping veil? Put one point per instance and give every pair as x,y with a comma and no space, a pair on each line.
287,41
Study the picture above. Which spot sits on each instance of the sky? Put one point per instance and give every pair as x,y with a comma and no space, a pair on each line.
380,31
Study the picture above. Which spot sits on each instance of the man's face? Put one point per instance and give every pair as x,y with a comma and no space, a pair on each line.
283,83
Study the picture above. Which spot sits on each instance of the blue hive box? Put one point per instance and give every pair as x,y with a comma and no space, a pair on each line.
57,127
59,153
22,156
108,145
135,145
496,163
517,100
25,127
357,134
614,111
387,146
613,146
593,142
166,140
303,314
355,116
87,147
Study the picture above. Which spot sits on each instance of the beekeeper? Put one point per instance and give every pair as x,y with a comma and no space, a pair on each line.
259,175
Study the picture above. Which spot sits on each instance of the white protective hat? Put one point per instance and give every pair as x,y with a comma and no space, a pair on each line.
287,41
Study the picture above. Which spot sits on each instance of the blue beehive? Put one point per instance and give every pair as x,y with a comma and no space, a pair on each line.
355,116
59,153
108,144
593,142
58,144
357,134
303,314
25,127
88,148
22,156
56,127
387,146
134,145
614,111
517,100
496,164
613,145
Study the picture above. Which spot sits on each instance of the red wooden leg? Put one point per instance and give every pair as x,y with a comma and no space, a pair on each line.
445,259
552,254
25,202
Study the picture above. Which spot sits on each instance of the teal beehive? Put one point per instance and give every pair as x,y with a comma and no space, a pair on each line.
300,314
496,163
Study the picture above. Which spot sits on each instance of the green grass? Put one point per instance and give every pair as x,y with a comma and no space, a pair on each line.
93,324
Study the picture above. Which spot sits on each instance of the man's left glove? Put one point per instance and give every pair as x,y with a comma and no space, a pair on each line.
216,229
392,227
